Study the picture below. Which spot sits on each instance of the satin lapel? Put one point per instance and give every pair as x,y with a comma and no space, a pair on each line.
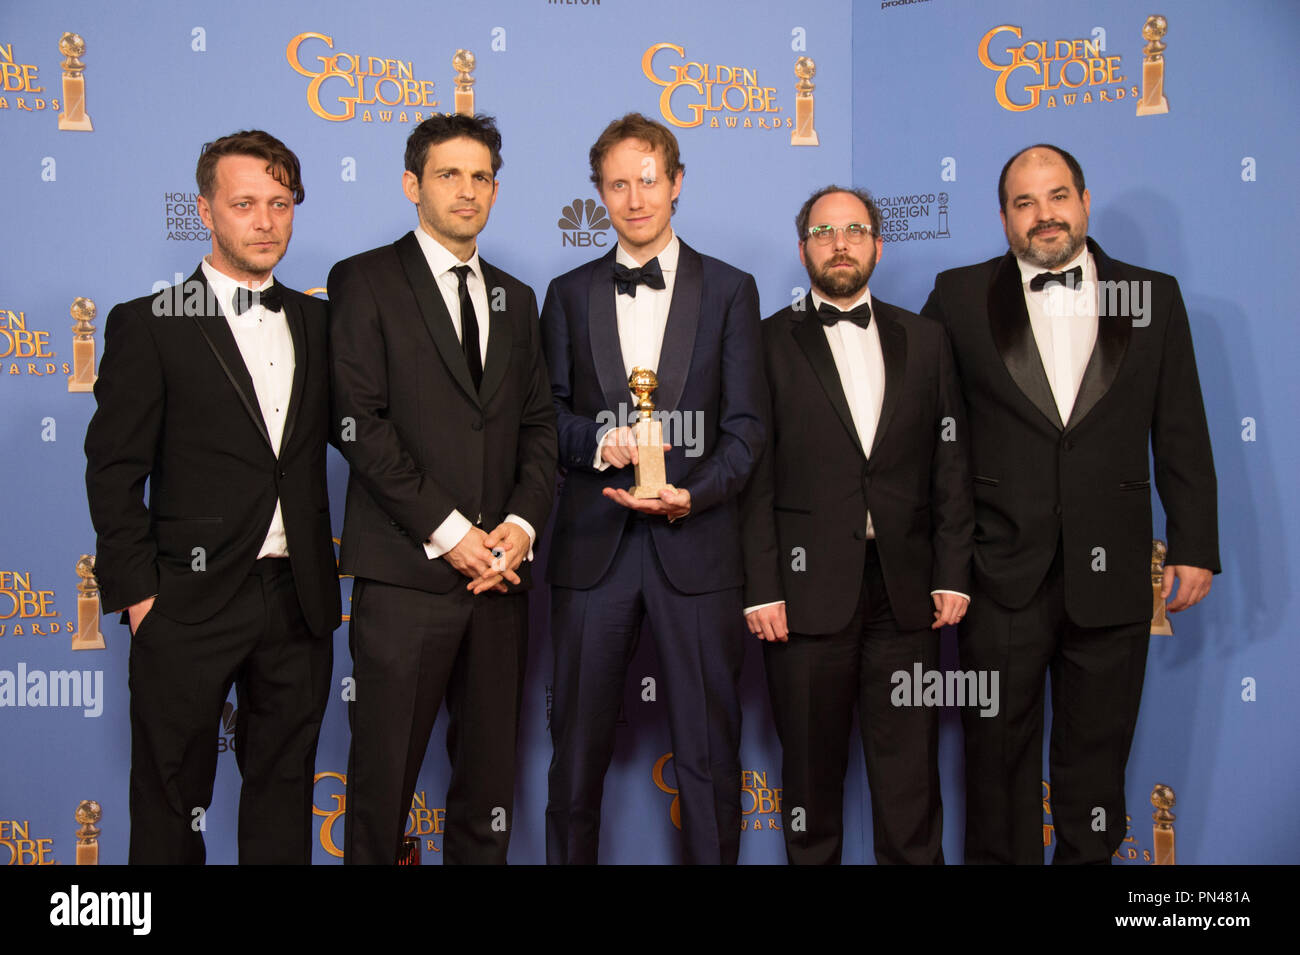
807,331
1112,343
893,346
499,333
602,329
216,332
679,334
298,330
434,311
1014,339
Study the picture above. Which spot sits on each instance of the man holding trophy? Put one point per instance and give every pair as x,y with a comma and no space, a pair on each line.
653,320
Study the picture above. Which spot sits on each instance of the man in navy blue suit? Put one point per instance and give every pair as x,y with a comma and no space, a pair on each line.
674,561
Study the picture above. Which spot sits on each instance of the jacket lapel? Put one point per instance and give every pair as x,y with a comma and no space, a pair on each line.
434,312
1112,343
893,346
808,333
602,328
679,334
298,331
214,328
499,335
1014,339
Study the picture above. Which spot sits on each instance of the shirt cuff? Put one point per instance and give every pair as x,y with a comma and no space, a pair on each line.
448,535
955,592
528,529
774,603
600,464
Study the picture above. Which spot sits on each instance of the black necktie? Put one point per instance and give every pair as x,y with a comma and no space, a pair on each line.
1070,278
650,274
270,299
859,315
469,328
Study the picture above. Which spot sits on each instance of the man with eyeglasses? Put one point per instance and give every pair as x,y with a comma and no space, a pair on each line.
857,540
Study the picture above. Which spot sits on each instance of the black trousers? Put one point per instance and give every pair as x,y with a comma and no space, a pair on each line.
1097,675
814,682
180,676
409,650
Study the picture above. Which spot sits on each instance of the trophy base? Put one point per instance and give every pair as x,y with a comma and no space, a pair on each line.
645,492
1162,629
1153,109
75,125
809,139
81,387
93,641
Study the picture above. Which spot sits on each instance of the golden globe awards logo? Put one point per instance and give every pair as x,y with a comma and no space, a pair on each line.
26,351
760,804
729,97
21,83
17,847
26,610
342,82
421,821
1048,73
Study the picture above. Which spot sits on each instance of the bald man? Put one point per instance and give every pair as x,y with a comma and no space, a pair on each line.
1072,366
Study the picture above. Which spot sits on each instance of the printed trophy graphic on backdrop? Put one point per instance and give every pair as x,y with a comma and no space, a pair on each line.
804,134
1153,99
1162,828
1160,625
82,378
463,64
650,476
88,636
88,813
74,116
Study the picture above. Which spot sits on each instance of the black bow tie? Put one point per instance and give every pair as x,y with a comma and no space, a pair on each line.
269,298
1070,278
859,315
650,274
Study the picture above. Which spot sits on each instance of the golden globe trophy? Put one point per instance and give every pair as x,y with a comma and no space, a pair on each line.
74,117
87,636
1160,625
463,64
803,133
82,378
88,813
1162,829
650,475
1153,99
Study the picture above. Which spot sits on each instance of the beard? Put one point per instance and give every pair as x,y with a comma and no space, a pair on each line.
1046,257
842,283
236,256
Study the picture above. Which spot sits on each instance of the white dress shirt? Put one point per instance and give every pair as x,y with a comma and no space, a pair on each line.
442,264
861,366
267,349
641,321
1064,323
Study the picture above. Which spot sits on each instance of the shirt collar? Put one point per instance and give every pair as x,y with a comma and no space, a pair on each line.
224,287
441,259
818,300
1084,260
667,258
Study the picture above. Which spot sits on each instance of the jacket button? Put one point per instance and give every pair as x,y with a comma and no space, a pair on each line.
477,424
1067,445
283,474
859,535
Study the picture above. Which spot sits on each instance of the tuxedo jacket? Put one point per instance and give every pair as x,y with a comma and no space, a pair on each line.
420,439
1084,483
176,406
805,511
710,372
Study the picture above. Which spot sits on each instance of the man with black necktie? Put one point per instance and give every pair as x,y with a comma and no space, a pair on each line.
444,414
616,560
1074,368
216,393
857,533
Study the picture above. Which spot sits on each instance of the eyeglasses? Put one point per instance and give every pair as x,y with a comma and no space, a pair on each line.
855,233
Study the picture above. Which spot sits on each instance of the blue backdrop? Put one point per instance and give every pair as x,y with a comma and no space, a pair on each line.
907,105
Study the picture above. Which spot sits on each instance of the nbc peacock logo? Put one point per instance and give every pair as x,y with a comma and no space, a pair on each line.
583,224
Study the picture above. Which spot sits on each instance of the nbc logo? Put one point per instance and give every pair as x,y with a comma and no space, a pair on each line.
572,229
